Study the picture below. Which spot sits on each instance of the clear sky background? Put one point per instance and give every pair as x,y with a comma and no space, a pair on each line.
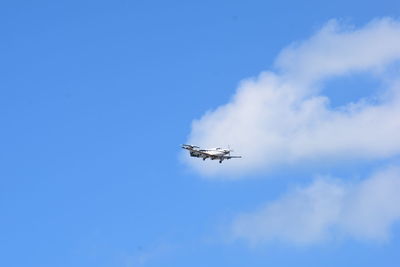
96,98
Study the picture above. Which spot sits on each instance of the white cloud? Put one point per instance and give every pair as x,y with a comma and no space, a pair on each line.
326,209
282,117
334,50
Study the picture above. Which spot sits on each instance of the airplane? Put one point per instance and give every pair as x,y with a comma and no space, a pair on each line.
212,153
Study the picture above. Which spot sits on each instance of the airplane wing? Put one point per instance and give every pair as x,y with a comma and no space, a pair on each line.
196,151
190,147
232,157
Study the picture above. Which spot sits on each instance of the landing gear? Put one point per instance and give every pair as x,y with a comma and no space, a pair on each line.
220,161
204,158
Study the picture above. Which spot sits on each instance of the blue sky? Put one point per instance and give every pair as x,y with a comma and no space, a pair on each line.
97,96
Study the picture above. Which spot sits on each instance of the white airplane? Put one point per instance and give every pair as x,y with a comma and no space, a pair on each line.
212,153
